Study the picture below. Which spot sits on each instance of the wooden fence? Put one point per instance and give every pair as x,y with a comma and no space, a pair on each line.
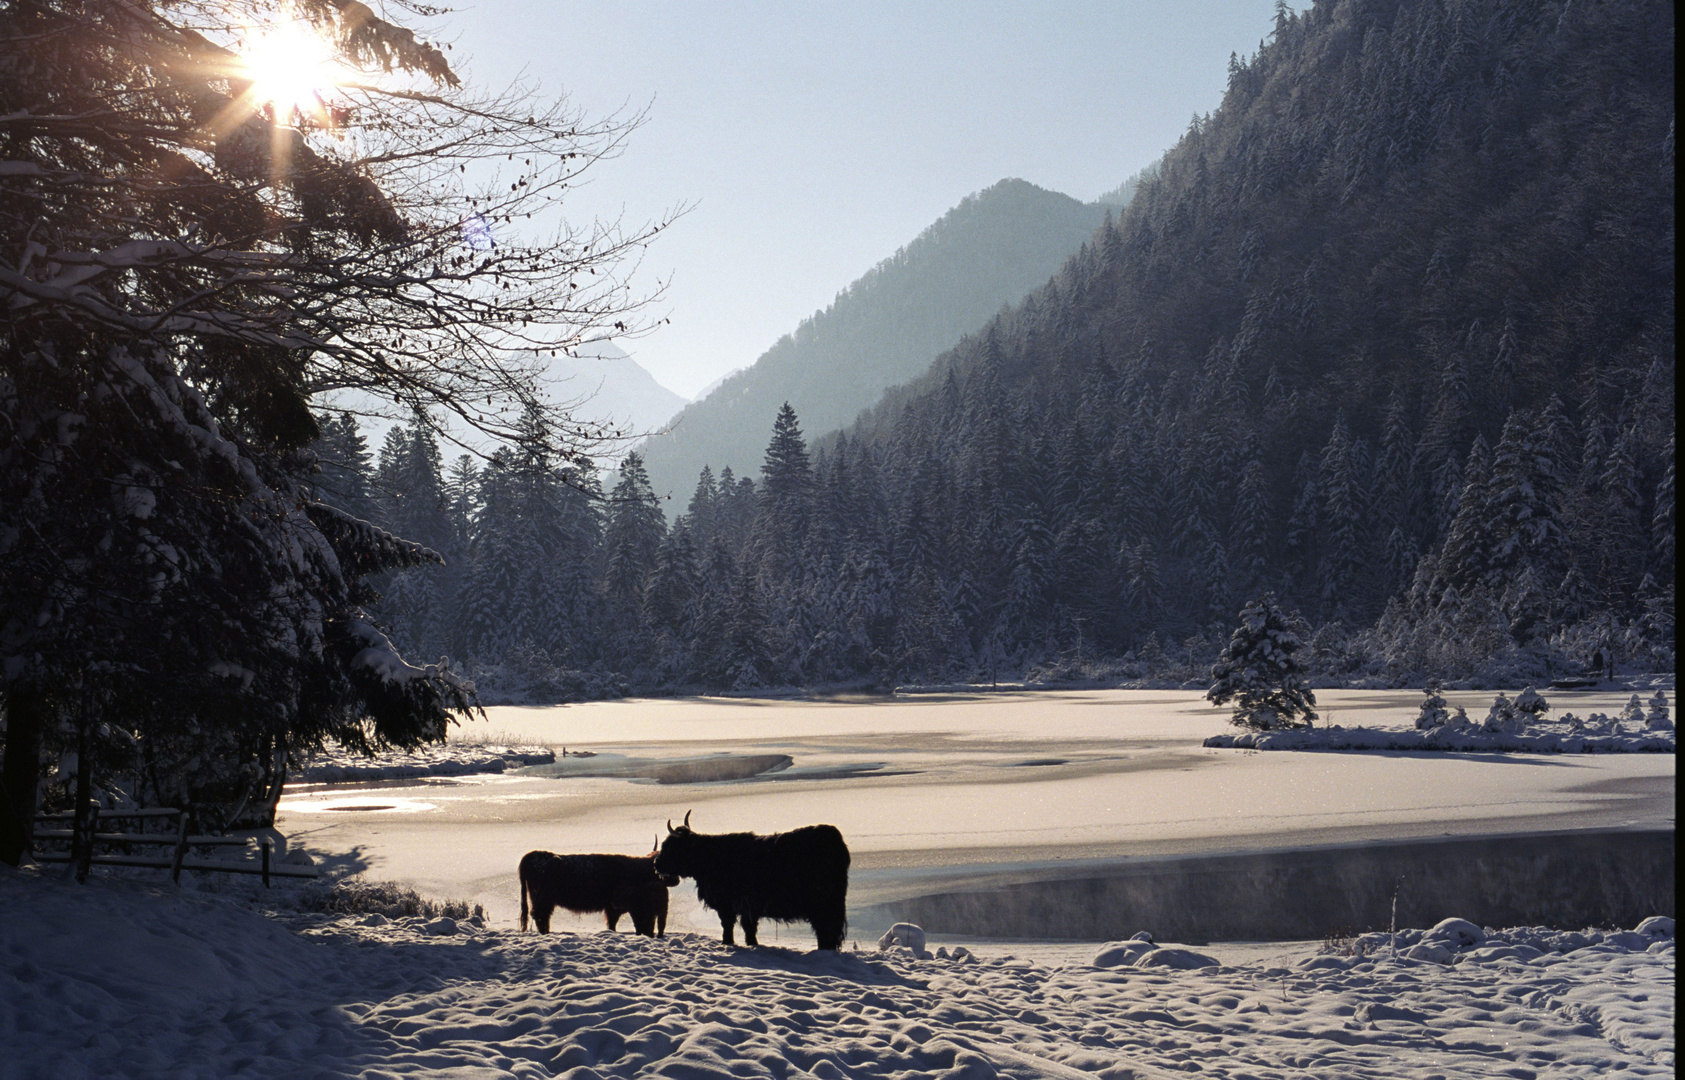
84,834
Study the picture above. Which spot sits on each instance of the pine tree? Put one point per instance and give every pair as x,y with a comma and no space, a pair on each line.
1523,507
703,507
1259,671
344,466
786,492
1343,484
1662,522
747,662
498,609
1251,531
632,538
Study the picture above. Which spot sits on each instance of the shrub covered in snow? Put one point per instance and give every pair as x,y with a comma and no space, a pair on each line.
386,898
1657,719
1432,712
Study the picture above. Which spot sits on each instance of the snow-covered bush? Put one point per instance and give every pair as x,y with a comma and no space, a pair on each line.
1532,703
386,898
1657,718
1501,717
1432,712
1259,672
1634,712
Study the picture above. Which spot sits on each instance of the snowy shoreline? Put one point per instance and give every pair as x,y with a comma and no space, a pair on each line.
1446,739
1517,726
126,978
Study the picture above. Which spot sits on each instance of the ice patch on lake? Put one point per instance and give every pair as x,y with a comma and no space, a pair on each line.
699,769
337,765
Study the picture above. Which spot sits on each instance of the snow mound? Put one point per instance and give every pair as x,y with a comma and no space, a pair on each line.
1455,934
1122,953
1180,959
907,936
117,978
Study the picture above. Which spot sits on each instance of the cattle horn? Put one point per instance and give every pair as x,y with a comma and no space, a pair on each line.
669,826
686,825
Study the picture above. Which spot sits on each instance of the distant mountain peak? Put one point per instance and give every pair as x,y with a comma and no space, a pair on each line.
882,330
605,385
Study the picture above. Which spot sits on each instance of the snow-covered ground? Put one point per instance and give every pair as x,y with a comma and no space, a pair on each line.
124,979
936,790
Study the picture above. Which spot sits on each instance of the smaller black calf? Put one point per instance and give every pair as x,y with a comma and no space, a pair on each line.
616,885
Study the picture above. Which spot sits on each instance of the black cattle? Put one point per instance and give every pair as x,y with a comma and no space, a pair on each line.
795,876
613,884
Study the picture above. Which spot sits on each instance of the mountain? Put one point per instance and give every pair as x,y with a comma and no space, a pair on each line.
611,388
882,330
1390,333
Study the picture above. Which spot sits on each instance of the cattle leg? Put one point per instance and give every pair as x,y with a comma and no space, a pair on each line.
728,927
750,923
661,923
613,917
541,915
829,928
643,922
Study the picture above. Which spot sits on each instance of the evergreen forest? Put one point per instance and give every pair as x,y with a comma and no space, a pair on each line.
1388,334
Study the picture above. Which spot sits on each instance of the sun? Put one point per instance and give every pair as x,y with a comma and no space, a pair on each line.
292,71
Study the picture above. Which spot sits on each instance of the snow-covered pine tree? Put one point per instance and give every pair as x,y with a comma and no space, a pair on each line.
699,515
1259,671
786,492
496,606
1663,523
1250,532
1343,482
670,596
633,531
343,466
747,663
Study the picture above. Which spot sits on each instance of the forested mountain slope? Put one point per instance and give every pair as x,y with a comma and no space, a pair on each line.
885,328
1408,292
1390,334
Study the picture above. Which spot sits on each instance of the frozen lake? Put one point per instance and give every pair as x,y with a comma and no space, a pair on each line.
937,791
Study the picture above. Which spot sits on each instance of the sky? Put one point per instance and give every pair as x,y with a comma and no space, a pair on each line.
810,141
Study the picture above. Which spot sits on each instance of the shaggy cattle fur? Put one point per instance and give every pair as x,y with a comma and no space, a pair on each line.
795,876
613,884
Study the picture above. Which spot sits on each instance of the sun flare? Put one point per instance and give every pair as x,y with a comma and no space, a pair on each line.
292,71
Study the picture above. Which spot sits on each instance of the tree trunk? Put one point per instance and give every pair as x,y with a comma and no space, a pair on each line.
82,834
277,781
25,717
